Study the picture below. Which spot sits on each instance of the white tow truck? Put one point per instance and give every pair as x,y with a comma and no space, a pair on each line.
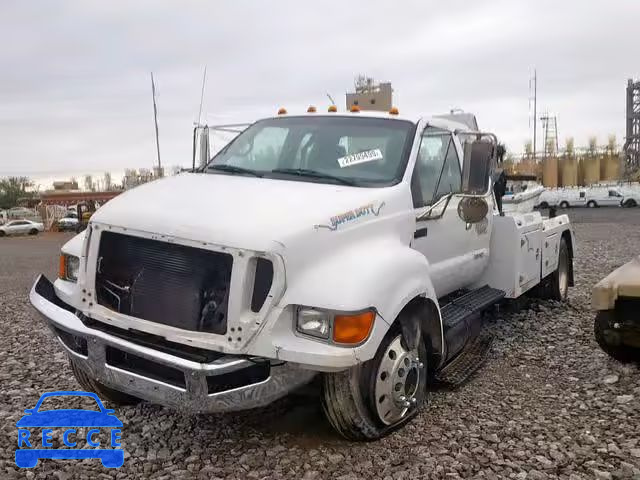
361,247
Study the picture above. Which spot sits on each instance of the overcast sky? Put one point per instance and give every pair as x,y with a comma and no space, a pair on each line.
75,88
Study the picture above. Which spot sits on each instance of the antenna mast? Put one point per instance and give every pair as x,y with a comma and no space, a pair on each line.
204,79
533,84
155,119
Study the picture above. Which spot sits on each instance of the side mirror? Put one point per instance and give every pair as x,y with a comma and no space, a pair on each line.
473,209
476,167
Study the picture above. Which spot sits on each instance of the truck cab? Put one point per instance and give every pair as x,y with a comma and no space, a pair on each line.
361,247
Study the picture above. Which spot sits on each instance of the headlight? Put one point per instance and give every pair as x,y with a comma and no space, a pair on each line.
313,322
341,328
69,266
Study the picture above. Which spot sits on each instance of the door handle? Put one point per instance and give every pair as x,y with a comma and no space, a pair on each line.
421,232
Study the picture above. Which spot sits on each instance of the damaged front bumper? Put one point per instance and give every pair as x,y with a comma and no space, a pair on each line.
167,376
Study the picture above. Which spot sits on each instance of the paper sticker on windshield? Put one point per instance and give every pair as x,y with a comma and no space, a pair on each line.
362,157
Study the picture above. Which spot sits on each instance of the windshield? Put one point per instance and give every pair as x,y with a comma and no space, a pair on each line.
349,150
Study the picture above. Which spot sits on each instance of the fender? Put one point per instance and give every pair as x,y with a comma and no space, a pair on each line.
379,272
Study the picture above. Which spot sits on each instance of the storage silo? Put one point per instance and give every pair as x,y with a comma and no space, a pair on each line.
550,172
569,171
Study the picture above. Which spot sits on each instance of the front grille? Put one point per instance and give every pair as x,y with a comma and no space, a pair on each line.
162,282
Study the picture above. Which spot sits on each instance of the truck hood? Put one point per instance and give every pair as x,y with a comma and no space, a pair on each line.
239,211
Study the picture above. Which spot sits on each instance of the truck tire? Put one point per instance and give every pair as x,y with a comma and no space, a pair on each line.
564,204
630,203
373,399
104,392
557,284
622,353
543,205
592,204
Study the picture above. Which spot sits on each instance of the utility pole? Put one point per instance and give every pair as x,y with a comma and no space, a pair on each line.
155,119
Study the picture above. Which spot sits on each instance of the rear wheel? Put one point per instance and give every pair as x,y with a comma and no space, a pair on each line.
564,204
544,205
623,353
371,400
105,393
557,284
592,204
2,234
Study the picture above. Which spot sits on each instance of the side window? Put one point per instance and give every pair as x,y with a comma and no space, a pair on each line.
437,170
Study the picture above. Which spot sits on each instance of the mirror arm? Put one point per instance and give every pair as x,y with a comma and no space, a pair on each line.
426,214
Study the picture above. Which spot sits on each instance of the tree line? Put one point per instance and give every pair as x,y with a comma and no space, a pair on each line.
12,189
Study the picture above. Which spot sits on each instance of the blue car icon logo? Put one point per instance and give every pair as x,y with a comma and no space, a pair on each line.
31,447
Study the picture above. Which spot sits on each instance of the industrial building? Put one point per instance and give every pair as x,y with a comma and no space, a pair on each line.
369,95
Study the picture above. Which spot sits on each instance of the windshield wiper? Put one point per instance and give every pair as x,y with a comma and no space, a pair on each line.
234,169
305,172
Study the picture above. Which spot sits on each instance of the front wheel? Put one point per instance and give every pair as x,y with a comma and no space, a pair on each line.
564,204
371,400
630,203
33,231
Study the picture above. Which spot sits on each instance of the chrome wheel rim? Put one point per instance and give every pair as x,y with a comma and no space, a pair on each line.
397,382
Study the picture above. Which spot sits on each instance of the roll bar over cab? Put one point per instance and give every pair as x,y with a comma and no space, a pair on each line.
276,275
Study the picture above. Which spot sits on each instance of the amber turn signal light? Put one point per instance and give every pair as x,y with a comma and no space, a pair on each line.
353,329
282,111
311,109
62,268
332,109
355,108
393,111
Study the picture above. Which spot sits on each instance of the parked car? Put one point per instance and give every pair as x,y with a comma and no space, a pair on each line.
630,198
591,197
68,223
21,227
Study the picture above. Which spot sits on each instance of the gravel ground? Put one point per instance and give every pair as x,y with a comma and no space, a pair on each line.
548,403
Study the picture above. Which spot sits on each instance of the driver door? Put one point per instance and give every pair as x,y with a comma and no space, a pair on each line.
446,241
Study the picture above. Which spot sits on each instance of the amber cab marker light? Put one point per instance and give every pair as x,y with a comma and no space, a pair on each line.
355,108
282,111
311,109
332,109
394,111
62,268
352,329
